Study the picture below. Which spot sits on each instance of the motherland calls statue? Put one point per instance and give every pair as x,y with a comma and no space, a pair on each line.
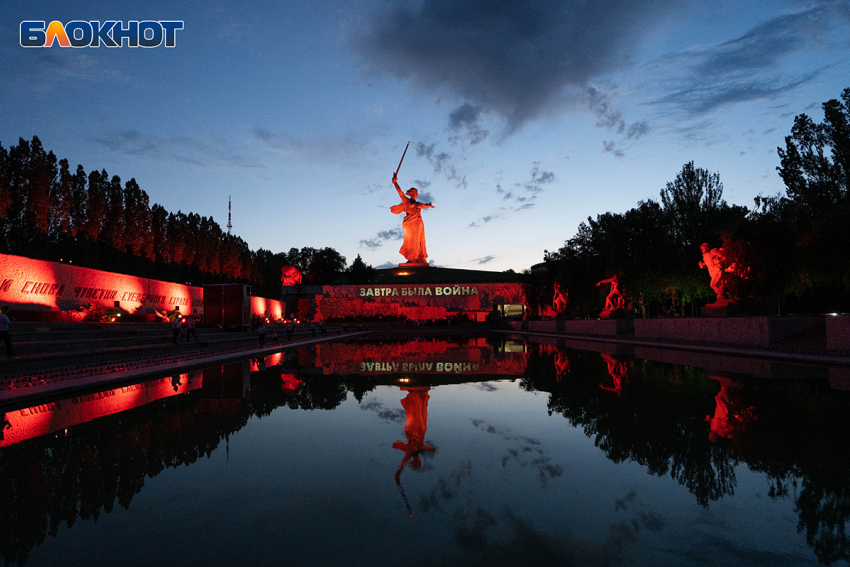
413,248
615,301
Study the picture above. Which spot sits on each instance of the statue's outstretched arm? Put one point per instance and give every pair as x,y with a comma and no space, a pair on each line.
397,188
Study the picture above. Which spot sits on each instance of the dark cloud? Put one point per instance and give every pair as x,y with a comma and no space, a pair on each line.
196,151
464,122
701,99
753,66
610,118
484,259
516,59
378,240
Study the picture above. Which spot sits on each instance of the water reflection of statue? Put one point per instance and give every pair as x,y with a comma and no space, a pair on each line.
732,416
618,370
413,248
615,299
416,411
714,260
562,366
559,301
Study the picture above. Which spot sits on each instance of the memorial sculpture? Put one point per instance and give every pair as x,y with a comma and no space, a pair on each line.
560,299
290,276
413,247
720,270
615,303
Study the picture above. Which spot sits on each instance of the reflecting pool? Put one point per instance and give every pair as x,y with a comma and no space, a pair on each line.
436,451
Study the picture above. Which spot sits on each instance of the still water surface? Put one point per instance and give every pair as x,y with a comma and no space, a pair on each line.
434,451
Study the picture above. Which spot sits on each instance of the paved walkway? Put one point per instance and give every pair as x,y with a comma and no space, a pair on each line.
817,356
26,387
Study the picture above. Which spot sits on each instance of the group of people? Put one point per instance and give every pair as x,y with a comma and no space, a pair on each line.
177,325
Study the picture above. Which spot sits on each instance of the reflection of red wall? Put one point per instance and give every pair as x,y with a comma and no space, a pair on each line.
432,301
40,420
36,284
418,357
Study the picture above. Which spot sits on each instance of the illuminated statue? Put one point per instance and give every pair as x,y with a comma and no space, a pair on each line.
290,276
615,299
416,411
413,248
559,301
714,260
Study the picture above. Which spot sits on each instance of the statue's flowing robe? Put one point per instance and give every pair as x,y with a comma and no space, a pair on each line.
413,248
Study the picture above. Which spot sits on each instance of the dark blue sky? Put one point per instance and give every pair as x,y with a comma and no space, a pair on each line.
524,116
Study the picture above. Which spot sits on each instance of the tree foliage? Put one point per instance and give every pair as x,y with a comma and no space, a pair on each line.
49,212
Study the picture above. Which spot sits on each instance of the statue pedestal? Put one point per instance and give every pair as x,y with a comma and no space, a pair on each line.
414,265
720,308
614,314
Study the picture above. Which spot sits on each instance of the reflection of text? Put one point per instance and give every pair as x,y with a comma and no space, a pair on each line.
418,366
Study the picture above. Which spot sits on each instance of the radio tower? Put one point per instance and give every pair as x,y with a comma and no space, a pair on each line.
229,226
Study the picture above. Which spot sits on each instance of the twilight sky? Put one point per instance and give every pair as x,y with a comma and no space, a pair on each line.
524,116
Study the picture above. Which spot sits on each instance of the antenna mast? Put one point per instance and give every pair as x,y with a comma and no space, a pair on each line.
229,226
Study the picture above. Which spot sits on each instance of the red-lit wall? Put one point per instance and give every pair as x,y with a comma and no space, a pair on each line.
271,308
416,302
38,285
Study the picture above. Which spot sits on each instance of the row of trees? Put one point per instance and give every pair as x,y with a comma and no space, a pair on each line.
51,212
793,245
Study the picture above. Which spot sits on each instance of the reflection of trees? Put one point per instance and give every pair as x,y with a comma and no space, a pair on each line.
799,437
55,479
59,479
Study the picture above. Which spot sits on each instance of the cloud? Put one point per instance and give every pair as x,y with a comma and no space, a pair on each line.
538,178
464,122
522,195
608,117
202,152
484,259
517,59
441,162
752,66
314,149
611,148
378,240
387,266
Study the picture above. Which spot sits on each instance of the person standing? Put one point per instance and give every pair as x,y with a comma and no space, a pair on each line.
5,323
190,329
289,331
175,328
261,333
